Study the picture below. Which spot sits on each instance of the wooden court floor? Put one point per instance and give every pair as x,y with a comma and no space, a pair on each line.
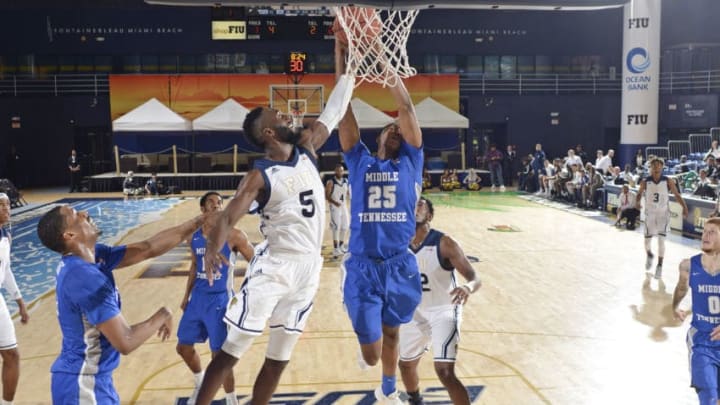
566,315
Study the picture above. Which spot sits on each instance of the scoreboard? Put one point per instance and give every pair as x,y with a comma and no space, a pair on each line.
289,28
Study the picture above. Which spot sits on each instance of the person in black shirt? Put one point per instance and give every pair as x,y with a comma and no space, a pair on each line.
74,167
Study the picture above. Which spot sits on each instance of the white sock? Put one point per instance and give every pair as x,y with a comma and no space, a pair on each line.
230,398
4,402
198,378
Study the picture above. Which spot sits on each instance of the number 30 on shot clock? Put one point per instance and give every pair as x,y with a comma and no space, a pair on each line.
296,63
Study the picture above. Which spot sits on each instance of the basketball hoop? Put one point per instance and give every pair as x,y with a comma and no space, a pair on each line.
297,118
376,42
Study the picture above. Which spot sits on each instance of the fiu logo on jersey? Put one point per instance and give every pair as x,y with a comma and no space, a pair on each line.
298,181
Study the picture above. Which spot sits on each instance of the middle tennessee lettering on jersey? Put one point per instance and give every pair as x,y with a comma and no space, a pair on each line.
705,302
224,276
384,196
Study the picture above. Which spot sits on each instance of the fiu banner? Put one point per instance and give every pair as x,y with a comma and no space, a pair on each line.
641,72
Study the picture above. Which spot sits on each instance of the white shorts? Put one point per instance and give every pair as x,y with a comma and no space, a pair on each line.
7,329
277,292
339,218
656,223
437,328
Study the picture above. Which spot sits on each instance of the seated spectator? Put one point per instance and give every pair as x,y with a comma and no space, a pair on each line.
427,180
573,159
626,208
455,182
574,186
472,180
639,160
446,183
604,163
683,166
130,187
151,187
545,176
628,176
595,181
703,187
714,150
526,176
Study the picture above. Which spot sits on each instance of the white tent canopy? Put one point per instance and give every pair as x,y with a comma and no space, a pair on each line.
228,116
151,116
432,114
368,116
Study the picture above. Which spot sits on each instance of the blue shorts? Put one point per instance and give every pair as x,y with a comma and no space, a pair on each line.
203,319
704,364
378,293
74,389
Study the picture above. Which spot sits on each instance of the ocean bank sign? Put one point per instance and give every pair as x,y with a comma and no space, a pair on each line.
640,91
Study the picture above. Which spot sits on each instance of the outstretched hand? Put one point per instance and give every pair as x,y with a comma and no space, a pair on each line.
212,262
165,329
460,295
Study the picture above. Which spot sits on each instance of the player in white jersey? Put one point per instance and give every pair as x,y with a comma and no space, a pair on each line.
337,191
657,188
436,322
8,341
282,280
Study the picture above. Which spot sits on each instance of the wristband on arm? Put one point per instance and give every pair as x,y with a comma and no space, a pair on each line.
337,102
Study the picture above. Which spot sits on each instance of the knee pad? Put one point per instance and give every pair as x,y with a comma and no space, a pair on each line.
236,343
281,344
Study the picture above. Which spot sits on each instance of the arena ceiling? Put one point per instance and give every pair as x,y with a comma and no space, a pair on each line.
409,4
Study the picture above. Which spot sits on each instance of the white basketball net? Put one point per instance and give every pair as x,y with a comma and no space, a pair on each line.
377,43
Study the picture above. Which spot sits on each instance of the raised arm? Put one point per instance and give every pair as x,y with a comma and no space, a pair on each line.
681,289
160,243
248,190
406,120
452,252
126,338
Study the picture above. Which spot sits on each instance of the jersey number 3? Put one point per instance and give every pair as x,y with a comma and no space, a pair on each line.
381,196
308,203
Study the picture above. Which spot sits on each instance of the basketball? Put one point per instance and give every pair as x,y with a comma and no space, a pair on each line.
363,22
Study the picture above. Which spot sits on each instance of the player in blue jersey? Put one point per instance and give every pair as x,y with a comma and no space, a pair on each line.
382,284
436,323
204,305
280,284
94,330
700,274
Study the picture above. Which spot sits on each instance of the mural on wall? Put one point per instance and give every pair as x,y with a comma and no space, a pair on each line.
194,95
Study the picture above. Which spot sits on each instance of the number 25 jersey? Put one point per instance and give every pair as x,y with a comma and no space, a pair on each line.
385,192
293,213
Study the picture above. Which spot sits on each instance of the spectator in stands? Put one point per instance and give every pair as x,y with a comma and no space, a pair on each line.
711,169
545,175
551,179
510,165
580,152
683,166
594,182
703,187
573,159
603,163
151,187
494,160
526,178
472,180
130,187
74,168
574,185
446,181
537,164
628,176
564,176
454,180
639,160
714,150
626,208
427,180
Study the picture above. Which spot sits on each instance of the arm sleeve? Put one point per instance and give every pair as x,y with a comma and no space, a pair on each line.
93,293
